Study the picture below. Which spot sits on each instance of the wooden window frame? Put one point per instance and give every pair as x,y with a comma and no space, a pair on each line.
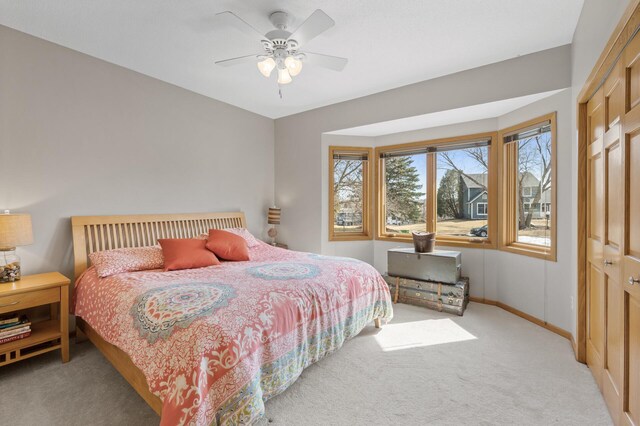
431,221
508,202
366,191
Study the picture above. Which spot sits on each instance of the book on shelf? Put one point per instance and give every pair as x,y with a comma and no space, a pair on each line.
15,337
21,321
13,332
9,319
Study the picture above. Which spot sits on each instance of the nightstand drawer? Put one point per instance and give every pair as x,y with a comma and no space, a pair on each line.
28,300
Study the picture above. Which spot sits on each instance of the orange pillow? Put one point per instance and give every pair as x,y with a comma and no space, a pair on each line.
227,245
186,253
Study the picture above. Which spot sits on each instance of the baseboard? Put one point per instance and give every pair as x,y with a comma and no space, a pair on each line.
555,329
574,345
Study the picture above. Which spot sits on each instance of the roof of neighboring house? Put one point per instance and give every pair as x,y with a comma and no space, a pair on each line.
529,179
477,196
468,180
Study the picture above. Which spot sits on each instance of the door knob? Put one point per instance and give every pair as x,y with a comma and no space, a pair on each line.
633,281
608,262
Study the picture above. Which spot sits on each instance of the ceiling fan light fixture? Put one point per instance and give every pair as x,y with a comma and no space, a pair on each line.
283,76
266,66
281,47
294,65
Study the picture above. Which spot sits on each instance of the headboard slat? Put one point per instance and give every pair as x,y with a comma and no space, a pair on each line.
98,233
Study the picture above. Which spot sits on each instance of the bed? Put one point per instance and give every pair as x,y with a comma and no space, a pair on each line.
211,345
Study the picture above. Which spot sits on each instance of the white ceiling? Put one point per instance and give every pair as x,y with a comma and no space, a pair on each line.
445,118
388,43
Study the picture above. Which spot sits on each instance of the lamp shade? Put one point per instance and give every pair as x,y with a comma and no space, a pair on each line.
283,76
15,230
273,217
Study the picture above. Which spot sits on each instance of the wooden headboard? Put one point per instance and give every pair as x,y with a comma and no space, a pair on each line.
98,233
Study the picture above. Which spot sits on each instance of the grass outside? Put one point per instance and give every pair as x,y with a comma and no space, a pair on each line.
353,228
457,227
462,227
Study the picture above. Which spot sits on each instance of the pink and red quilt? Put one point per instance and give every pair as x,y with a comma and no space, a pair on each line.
216,343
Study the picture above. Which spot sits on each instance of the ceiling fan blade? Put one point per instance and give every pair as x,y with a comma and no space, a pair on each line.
239,60
230,18
315,25
335,63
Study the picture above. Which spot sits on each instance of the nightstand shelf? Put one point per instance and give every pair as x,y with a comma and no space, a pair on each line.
45,337
37,290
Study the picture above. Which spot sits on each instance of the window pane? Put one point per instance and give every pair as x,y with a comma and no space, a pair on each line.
405,193
348,176
534,190
462,197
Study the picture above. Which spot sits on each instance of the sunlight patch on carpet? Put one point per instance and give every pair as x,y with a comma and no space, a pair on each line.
418,334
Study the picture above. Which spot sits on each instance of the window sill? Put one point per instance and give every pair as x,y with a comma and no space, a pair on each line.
471,242
539,252
482,243
350,237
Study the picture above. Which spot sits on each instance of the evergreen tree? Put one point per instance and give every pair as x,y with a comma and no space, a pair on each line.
403,189
449,195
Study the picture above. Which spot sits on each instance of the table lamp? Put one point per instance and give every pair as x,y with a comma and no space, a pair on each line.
273,218
15,230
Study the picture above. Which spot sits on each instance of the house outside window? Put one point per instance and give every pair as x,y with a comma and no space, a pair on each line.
528,181
438,186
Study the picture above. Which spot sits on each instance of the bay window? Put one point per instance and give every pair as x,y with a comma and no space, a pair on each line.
444,186
528,203
489,190
349,206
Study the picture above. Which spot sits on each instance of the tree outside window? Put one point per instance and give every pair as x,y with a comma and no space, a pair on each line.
349,198
405,193
534,189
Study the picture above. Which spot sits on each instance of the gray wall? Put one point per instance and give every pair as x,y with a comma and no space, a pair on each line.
298,137
80,136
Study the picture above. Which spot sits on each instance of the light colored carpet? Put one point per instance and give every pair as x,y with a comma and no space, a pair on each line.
486,368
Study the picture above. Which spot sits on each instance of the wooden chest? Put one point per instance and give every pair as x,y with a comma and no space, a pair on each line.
450,298
441,266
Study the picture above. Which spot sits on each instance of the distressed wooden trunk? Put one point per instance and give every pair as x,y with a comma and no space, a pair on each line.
442,266
443,297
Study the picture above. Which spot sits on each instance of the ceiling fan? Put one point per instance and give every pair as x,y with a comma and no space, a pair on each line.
281,48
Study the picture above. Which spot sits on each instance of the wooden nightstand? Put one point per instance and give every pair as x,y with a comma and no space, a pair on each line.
31,291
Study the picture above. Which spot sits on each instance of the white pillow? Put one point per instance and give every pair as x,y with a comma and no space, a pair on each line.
244,233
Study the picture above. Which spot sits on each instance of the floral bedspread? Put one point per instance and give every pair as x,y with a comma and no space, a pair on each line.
216,343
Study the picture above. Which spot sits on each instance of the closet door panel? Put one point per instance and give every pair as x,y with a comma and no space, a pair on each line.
614,96
631,266
612,210
595,326
632,402
596,194
631,58
632,178
613,203
596,290
596,117
613,374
